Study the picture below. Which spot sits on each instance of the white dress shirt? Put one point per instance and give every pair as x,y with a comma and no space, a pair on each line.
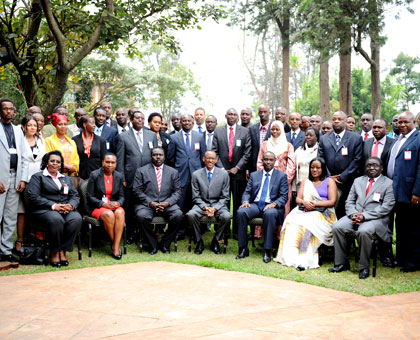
267,198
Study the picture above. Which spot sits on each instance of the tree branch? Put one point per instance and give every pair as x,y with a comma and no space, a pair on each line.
358,48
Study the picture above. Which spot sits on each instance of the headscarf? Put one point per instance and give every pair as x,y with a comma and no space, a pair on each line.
278,145
56,118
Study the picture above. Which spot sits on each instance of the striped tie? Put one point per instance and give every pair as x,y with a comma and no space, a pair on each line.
231,139
159,178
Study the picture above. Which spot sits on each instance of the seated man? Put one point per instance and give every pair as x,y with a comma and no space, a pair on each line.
157,189
210,192
265,196
368,206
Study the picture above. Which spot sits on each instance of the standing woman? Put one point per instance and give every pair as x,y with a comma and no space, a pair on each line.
105,196
285,156
61,142
155,123
91,148
35,148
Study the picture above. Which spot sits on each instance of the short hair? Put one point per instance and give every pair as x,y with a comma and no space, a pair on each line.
384,120
211,116
323,168
158,148
58,107
5,100
154,114
187,114
200,108
269,152
46,158
376,159
97,109
134,112
27,119
84,119
109,153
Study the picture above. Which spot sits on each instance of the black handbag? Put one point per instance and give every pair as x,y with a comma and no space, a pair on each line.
33,254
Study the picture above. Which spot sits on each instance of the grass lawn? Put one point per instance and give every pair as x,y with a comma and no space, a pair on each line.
387,281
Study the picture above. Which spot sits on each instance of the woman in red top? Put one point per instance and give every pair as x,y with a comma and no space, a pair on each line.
105,196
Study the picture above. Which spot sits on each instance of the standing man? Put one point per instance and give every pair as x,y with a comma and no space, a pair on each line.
33,110
122,120
404,169
395,132
246,115
108,110
211,123
350,124
259,133
210,190
157,190
316,121
342,152
281,115
232,144
326,127
265,196
366,123
164,125
78,114
296,136
176,123
103,130
199,118
13,176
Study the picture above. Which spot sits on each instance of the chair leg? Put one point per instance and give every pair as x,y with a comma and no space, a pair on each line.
375,256
125,238
90,239
46,247
79,245
253,235
356,251
176,244
190,240
225,244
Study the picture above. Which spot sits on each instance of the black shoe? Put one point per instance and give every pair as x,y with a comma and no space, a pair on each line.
165,250
64,263
408,269
153,251
339,268
364,273
267,256
9,258
243,252
117,257
214,247
387,262
56,264
300,268
199,247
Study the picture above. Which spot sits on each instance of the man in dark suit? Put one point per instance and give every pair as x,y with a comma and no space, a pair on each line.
404,169
368,205
104,131
211,123
210,190
265,196
295,136
342,152
259,133
281,115
366,122
122,120
246,116
232,144
157,190
176,123
133,151
108,110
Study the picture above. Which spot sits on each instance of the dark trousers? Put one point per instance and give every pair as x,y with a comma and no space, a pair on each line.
223,218
271,219
62,229
173,214
341,206
237,188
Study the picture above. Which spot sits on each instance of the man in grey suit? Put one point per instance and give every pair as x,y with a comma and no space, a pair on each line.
157,190
210,191
133,151
13,176
368,205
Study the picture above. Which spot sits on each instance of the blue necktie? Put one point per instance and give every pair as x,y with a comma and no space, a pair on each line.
187,143
261,202
209,174
293,137
200,129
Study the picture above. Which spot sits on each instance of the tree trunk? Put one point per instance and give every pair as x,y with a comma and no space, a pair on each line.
324,91
375,69
285,36
57,93
345,74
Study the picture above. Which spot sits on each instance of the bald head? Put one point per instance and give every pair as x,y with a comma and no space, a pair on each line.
406,122
264,113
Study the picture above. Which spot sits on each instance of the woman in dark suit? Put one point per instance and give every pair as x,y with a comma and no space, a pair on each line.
90,147
155,122
53,200
105,196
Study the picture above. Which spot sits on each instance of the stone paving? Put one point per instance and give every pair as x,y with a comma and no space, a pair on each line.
160,300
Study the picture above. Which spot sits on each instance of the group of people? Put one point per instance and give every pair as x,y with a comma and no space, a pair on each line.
311,182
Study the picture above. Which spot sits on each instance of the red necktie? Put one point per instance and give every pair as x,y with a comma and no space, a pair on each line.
366,136
370,185
159,178
231,139
375,150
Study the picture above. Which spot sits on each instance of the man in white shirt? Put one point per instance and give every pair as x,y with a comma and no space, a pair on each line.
199,120
366,122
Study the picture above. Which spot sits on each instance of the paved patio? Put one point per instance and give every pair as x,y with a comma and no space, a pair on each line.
160,300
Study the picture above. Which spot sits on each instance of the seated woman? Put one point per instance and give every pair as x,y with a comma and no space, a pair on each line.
54,200
309,224
105,196
90,147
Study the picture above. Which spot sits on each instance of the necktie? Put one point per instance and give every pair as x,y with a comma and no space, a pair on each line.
366,136
140,142
231,139
187,143
293,137
97,131
261,202
375,150
394,151
209,175
159,178
337,139
200,129
369,186
209,140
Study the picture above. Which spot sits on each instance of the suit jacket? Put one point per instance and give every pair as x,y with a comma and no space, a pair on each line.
97,153
22,163
43,193
214,194
241,150
254,132
376,211
145,188
129,156
114,124
337,164
287,127
111,135
367,150
407,172
186,163
96,189
166,140
34,164
299,140
205,136
279,189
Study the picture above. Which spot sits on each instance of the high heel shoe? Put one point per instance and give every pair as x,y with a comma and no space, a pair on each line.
55,264
64,263
117,257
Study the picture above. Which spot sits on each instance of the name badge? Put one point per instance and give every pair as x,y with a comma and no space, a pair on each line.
65,189
376,196
344,151
167,141
407,155
107,145
12,151
238,143
104,199
196,146
150,143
